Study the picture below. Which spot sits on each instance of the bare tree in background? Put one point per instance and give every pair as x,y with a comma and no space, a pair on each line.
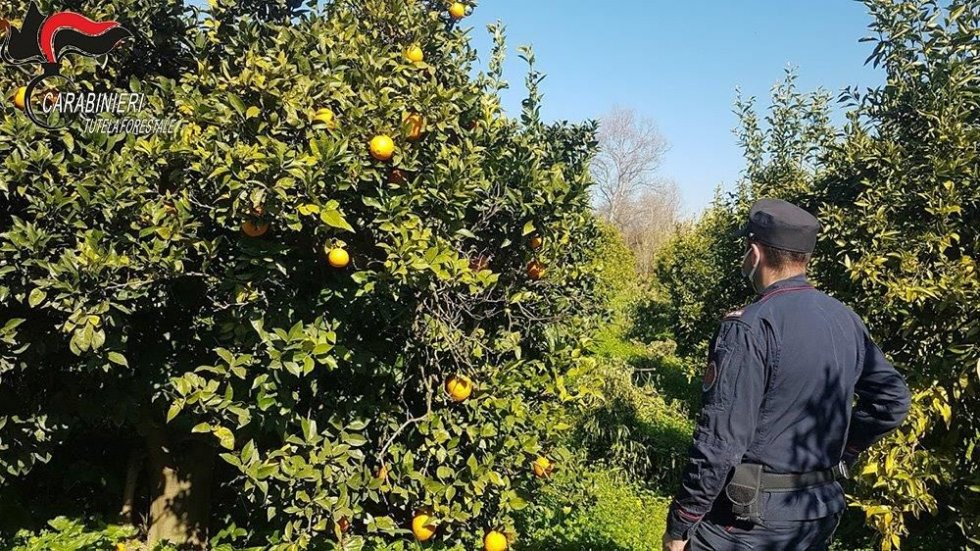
628,192
649,221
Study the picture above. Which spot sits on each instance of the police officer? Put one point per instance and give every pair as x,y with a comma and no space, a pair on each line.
777,428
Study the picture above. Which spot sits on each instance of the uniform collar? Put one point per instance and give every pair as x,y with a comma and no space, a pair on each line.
794,282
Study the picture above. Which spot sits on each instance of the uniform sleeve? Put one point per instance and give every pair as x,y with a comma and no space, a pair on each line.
883,402
733,386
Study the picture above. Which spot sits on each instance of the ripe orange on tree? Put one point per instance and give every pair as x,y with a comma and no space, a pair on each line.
535,270
382,147
325,117
457,10
255,228
459,388
414,54
397,176
479,263
20,97
338,257
254,225
542,467
494,541
536,242
422,527
413,125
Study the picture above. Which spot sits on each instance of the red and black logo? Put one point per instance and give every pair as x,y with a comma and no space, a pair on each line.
46,41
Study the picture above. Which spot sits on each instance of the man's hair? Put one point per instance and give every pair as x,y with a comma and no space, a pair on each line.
781,259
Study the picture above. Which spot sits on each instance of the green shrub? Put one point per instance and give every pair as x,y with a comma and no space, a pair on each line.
603,511
635,430
698,272
66,534
618,282
650,315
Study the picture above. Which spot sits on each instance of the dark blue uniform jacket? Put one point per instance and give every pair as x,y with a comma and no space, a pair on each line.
778,391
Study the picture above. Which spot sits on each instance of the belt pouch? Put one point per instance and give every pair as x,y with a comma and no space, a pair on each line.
743,491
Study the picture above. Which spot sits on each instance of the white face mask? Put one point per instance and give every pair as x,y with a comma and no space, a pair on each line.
755,266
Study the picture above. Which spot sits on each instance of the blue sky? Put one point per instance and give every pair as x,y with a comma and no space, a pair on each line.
679,63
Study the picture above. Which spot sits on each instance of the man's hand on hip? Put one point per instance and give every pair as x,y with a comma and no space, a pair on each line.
673,545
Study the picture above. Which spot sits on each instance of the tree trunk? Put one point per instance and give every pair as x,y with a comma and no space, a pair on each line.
129,490
180,485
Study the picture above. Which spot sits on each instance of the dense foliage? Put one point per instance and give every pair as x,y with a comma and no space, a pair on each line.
175,342
898,193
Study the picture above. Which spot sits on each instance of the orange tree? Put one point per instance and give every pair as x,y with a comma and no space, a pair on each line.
346,292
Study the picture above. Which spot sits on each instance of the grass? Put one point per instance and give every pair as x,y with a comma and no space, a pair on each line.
655,366
603,512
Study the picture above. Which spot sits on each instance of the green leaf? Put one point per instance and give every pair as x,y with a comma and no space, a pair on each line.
119,359
382,524
36,297
355,440
237,103
358,425
334,219
174,410
231,459
225,437
308,209
225,355
528,228
98,339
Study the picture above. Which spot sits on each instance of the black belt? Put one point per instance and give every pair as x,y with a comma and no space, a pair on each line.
773,482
